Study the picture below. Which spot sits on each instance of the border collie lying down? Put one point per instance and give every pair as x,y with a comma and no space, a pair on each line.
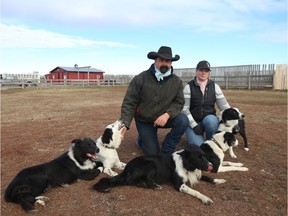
30,183
108,144
232,120
215,148
177,169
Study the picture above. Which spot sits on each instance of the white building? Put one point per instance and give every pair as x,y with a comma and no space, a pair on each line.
30,76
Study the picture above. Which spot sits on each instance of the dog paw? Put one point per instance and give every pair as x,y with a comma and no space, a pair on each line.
207,201
158,187
233,156
44,198
244,169
41,200
246,149
112,173
109,172
121,166
101,169
219,181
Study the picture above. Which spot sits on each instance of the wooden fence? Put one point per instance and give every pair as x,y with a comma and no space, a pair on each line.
243,76
86,82
228,77
280,77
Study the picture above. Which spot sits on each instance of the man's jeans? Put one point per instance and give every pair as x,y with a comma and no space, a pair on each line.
209,125
148,139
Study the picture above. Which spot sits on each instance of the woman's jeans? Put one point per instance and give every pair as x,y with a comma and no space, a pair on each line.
209,125
148,139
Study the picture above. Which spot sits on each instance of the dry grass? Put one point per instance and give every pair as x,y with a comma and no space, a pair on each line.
39,124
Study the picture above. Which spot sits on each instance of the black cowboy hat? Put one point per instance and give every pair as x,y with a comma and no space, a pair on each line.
163,52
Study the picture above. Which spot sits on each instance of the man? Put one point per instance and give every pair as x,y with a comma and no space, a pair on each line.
201,94
155,98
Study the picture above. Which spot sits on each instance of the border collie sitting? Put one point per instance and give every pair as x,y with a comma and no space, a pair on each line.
215,148
30,183
177,169
108,144
232,120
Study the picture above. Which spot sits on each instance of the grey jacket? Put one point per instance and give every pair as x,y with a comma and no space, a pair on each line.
147,98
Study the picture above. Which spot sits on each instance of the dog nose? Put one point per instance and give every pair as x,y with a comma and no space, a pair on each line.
97,150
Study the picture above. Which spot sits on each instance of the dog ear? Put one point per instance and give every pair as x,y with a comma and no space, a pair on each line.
76,141
107,135
223,117
229,138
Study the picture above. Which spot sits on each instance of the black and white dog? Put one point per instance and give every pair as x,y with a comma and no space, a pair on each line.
177,169
108,144
77,163
232,120
215,148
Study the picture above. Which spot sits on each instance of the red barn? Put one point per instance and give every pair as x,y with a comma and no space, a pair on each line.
73,73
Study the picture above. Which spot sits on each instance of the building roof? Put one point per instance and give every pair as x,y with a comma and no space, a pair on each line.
81,69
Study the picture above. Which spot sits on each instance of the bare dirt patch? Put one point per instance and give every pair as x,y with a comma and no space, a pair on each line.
37,125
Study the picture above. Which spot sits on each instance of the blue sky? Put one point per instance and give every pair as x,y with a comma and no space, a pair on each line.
115,36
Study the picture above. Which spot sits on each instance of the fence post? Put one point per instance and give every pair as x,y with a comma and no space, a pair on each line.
249,80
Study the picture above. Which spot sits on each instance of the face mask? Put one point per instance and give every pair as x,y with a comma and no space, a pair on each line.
164,69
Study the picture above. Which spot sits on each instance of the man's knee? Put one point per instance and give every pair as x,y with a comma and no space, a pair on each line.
182,120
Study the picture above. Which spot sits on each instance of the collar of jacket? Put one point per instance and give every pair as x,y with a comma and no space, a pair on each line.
196,83
152,71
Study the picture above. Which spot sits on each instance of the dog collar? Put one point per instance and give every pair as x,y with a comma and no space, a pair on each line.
215,141
108,147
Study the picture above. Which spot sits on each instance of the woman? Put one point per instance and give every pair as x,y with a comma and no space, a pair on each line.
200,95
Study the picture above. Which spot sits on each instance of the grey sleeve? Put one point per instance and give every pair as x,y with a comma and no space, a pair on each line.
186,108
221,101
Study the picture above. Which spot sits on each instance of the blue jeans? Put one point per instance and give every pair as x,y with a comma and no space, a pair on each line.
148,139
209,125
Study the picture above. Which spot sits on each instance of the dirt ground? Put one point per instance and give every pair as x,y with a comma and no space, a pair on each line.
38,125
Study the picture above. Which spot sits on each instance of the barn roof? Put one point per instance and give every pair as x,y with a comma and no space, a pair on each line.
73,69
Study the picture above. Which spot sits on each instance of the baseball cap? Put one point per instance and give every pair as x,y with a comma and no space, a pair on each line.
203,65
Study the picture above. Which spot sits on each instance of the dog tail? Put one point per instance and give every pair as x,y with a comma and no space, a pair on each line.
21,195
105,184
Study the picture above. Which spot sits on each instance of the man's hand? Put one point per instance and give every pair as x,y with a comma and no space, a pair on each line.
123,133
162,120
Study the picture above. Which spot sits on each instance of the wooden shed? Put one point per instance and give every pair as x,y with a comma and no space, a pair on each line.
80,73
